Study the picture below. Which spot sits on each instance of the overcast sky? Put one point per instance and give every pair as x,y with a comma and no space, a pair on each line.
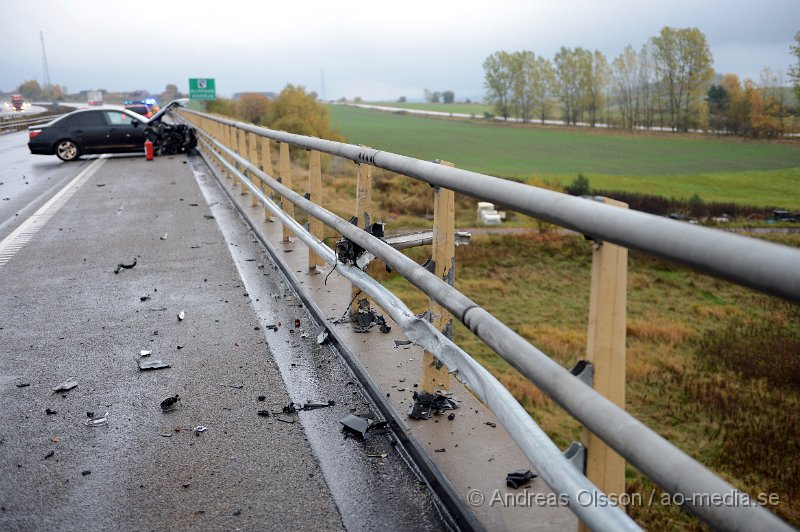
368,48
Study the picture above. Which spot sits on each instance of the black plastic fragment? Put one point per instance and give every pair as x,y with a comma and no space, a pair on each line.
520,478
366,318
121,266
263,413
398,343
427,404
66,386
170,403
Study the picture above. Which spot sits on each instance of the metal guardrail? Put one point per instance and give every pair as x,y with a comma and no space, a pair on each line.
768,267
16,123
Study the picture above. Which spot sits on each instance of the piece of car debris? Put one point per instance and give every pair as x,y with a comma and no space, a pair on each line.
378,455
519,478
165,236
50,412
263,413
181,315
234,386
49,455
312,405
360,426
285,419
427,404
97,421
398,343
65,386
323,335
166,434
146,365
144,353
170,403
198,429
491,424
144,298
122,266
23,384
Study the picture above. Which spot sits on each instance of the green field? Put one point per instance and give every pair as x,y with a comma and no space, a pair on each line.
727,170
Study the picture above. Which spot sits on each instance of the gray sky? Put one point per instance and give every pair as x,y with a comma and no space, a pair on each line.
367,48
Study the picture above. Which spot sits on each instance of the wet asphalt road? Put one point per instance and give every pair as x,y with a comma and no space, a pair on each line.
65,314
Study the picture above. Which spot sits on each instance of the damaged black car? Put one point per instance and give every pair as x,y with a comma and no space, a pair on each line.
110,130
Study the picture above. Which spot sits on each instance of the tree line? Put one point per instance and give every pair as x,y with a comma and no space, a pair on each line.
667,84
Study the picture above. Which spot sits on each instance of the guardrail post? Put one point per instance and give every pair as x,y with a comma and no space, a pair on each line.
252,156
435,375
315,195
265,159
364,210
286,179
243,152
229,143
605,349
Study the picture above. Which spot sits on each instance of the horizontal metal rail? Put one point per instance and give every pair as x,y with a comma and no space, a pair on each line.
665,464
763,266
16,123
551,464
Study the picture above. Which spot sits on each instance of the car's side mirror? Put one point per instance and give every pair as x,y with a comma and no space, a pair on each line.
134,122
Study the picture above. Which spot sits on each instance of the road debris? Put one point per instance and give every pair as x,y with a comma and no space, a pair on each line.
86,472
170,403
361,427
146,365
378,455
165,236
323,335
198,429
166,434
491,424
49,455
144,353
144,298
519,478
366,318
398,343
311,405
23,384
50,412
427,404
65,386
442,450
263,413
96,421
285,419
181,315
122,266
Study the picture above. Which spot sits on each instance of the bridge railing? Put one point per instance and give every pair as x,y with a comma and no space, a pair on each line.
243,150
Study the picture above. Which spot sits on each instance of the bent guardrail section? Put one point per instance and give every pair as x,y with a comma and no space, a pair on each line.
764,266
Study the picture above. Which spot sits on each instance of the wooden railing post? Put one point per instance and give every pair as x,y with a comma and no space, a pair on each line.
364,210
605,349
286,179
315,195
435,375
252,156
266,167
243,152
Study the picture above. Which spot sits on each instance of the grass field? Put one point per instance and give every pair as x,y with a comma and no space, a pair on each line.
726,170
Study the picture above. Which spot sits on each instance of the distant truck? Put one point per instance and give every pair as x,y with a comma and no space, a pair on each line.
94,97
17,102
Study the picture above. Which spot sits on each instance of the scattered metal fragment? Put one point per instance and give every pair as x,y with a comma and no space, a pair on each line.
181,315
145,353
146,365
426,404
66,386
23,384
378,455
157,309
97,421
198,429
323,335
165,236
271,326
166,434
50,412
49,455
263,413
235,386
170,403
285,419
121,266
208,217
312,405
291,408
442,450
520,478
398,343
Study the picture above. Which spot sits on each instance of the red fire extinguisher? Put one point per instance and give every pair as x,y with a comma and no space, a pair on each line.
148,150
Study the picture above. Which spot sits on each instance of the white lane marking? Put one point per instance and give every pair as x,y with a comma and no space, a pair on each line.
24,233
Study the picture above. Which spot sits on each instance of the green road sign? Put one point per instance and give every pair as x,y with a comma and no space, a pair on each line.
202,89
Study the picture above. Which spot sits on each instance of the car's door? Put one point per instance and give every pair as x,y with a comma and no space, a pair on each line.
126,133
90,129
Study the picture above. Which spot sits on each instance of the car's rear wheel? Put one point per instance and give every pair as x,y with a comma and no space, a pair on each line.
66,150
